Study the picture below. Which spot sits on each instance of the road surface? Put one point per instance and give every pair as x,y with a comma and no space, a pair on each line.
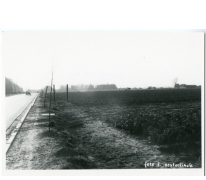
14,106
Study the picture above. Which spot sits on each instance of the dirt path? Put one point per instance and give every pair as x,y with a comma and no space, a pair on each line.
111,148
80,139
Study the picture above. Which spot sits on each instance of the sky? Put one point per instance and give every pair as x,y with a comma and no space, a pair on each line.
127,59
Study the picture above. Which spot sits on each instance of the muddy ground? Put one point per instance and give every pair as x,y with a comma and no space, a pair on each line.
81,138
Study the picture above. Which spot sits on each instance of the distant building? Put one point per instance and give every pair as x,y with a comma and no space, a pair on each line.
88,87
150,87
191,86
121,89
106,87
184,86
134,88
61,89
74,88
127,89
91,87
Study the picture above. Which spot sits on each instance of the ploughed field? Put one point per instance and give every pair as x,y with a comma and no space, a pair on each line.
169,120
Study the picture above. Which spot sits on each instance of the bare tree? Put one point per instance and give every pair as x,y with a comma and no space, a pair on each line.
175,81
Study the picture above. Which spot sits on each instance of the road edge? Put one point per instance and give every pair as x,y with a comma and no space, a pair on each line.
18,126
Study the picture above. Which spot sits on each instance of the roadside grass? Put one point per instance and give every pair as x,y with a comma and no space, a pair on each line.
172,123
64,131
180,130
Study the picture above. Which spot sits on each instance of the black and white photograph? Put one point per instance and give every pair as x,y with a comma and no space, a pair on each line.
102,88
91,100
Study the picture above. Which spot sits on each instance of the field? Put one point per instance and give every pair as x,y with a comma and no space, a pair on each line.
167,122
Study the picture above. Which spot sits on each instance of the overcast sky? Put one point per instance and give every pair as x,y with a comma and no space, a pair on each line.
127,59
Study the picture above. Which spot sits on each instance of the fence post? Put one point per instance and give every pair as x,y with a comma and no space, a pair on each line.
54,93
45,96
50,107
67,92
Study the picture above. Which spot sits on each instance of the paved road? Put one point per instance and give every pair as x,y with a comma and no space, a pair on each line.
14,106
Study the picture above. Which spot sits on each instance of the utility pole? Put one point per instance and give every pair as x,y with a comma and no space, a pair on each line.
50,101
54,93
45,96
67,92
